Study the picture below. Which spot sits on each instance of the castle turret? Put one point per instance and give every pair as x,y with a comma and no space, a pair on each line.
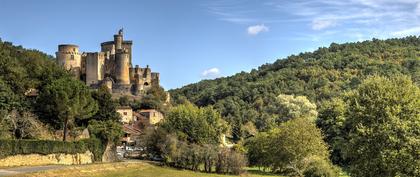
69,57
95,67
118,40
122,73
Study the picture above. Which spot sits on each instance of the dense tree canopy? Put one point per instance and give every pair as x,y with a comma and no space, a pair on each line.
320,75
383,122
67,100
195,125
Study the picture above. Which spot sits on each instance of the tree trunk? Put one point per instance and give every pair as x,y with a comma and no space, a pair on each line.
65,129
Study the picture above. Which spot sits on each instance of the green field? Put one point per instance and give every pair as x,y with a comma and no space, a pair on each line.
131,169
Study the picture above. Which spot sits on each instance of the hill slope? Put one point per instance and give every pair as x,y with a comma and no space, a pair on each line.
22,69
320,75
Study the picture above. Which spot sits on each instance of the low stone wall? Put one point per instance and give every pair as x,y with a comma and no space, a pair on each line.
37,159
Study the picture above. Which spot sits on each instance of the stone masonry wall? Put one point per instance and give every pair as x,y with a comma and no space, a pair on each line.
50,159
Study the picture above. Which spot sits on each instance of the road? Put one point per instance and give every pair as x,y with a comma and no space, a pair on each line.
22,170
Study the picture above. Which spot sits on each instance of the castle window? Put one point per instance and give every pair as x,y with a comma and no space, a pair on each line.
146,84
125,113
72,57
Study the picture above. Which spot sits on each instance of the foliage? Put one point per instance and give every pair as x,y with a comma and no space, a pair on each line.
22,69
107,107
154,98
192,156
230,161
124,101
14,147
320,75
291,107
106,130
292,148
67,100
157,92
195,125
383,120
197,157
331,121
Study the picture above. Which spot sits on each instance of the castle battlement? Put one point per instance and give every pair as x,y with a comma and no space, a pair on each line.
112,67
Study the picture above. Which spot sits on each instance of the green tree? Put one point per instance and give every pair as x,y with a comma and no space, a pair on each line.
295,144
107,107
67,100
331,121
295,148
383,122
8,99
195,125
291,107
106,130
158,92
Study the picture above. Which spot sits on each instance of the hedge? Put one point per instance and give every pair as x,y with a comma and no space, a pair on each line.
15,147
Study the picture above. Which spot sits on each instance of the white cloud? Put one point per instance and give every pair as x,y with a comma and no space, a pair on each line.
211,73
407,32
366,18
256,29
417,9
318,24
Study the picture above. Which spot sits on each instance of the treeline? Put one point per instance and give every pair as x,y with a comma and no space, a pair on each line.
320,76
38,98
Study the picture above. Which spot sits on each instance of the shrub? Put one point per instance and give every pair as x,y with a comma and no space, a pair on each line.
230,161
319,167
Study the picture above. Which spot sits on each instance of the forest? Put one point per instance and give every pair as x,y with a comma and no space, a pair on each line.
354,93
320,76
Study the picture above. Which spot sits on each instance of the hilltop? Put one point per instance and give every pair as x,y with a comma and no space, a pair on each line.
244,99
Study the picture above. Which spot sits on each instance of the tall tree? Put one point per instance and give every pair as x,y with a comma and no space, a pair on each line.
331,121
383,122
295,148
195,125
107,107
67,100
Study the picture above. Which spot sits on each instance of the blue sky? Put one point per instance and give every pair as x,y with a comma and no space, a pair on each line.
190,40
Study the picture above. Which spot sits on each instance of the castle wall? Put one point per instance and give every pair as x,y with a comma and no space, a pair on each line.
108,47
95,67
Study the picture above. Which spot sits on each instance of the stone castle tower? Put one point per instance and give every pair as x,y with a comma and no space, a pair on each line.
111,67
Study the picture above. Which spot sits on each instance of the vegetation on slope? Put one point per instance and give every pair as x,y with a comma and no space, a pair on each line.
38,97
363,92
320,76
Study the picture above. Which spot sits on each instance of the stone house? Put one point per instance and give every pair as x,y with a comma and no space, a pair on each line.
126,113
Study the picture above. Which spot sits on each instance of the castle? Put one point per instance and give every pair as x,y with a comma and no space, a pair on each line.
111,67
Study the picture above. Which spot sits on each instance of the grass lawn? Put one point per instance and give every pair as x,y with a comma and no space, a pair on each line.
128,169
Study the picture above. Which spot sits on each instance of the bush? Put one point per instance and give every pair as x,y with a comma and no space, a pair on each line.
321,168
289,149
44,147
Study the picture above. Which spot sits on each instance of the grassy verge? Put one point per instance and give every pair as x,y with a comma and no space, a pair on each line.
129,169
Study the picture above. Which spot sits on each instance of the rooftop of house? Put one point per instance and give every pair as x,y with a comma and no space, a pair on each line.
123,107
148,110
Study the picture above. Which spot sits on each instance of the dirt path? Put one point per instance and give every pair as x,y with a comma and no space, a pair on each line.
22,170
